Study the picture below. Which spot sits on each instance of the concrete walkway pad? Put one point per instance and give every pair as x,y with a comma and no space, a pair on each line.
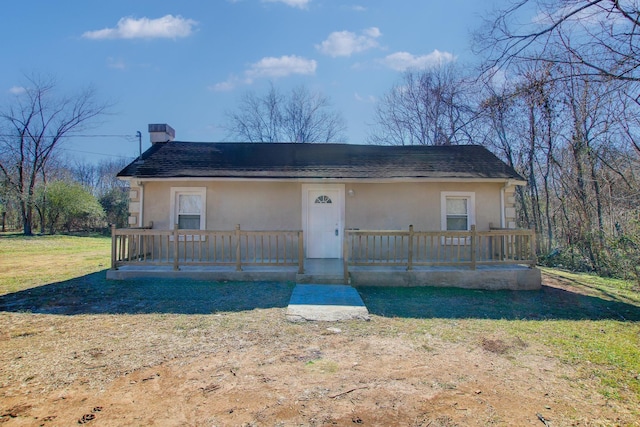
326,303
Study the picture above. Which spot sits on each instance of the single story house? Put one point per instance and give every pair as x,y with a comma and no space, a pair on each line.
411,215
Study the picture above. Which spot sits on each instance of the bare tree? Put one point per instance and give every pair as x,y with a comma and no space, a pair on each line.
600,36
520,118
99,177
300,116
567,134
257,118
580,148
628,119
84,173
427,107
33,127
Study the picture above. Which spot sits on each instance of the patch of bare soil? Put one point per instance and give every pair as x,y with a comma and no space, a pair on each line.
254,368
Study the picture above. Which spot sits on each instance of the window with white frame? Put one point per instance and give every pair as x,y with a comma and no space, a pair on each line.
458,211
189,207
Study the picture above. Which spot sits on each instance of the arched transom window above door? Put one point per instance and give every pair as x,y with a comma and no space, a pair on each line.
323,200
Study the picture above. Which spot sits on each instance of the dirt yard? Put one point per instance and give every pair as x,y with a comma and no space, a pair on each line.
91,356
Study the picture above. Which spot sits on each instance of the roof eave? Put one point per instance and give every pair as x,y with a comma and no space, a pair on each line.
506,180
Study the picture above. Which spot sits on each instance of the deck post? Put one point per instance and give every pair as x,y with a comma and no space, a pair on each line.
345,256
300,252
113,246
175,247
238,250
410,254
474,242
532,238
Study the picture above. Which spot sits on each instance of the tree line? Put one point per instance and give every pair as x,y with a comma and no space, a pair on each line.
38,190
567,118
82,196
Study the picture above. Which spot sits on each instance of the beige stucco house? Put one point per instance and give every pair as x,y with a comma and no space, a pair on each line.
335,196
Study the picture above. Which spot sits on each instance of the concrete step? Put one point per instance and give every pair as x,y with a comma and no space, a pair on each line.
330,279
325,302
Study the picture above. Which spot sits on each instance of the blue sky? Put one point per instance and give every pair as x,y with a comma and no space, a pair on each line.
185,63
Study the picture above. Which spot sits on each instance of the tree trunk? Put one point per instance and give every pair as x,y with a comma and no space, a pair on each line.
41,216
27,218
598,196
532,181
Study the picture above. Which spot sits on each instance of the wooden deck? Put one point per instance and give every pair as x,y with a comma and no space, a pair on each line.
494,259
186,248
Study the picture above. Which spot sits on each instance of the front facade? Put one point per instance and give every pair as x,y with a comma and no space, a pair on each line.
324,190
320,208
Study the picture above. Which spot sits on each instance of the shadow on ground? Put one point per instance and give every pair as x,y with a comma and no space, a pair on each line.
454,303
93,294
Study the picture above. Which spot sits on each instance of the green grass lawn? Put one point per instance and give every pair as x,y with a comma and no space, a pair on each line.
39,260
588,322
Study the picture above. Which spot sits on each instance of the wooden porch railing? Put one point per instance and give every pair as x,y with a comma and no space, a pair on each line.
394,248
409,248
239,248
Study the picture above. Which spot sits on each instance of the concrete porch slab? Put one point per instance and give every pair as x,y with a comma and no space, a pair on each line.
512,277
215,273
328,303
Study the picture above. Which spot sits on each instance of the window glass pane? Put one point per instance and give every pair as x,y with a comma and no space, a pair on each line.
456,206
457,223
323,200
189,204
189,222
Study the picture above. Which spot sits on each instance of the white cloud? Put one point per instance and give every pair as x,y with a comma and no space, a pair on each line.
301,4
269,67
168,26
17,90
401,61
369,99
359,8
373,32
116,63
346,43
282,67
225,86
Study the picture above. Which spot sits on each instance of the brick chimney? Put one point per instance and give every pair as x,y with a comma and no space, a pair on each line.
161,132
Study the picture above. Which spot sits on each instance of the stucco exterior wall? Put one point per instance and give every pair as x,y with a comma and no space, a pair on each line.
253,205
278,205
392,206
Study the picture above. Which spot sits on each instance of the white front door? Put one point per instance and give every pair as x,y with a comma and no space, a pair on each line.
324,213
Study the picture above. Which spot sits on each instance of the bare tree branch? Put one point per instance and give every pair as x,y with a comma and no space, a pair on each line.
427,107
300,116
601,35
37,123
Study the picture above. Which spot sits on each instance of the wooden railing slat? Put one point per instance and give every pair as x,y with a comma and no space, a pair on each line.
438,248
206,247
408,248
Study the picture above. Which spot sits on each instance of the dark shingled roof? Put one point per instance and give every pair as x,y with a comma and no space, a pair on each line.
288,160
